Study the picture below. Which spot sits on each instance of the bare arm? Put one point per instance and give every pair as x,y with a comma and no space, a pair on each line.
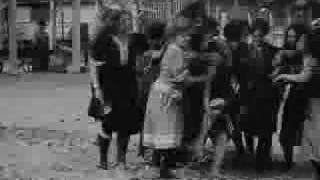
306,73
93,69
276,63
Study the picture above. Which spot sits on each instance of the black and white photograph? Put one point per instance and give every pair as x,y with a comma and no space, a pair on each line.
160,89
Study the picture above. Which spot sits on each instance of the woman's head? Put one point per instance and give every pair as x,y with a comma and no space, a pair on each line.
259,30
183,39
180,35
292,36
115,20
235,31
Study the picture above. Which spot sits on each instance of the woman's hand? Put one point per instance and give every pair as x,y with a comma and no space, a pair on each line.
98,94
282,77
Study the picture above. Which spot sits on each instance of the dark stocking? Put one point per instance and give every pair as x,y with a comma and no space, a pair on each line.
156,158
104,144
249,142
122,147
164,164
288,153
263,153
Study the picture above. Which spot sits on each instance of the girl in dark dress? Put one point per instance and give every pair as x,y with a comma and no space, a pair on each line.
290,61
235,33
116,86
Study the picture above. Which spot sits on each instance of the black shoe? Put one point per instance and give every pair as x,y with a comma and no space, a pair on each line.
167,174
103,165
260,170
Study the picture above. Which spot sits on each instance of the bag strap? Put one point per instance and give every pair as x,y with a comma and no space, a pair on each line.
165,47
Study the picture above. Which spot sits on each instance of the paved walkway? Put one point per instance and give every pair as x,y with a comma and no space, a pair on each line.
46,132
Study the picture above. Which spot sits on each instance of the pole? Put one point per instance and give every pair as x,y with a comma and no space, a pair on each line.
12,35
76,41
169,13
52,34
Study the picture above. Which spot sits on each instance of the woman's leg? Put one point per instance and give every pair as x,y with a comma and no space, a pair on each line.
122,147
104,139
249,142
165,164
220,139
156,158
263,155
286,144
236,135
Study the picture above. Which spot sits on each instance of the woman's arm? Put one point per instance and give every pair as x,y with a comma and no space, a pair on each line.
94,77
196,79
205,124
276,64
208,87
304,75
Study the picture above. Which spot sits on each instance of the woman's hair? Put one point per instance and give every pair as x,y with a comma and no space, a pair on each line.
174,31
210,25
156,30
313,42
111,19
299,30
261,25
234,30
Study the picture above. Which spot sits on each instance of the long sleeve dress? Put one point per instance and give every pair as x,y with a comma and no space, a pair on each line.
119,86
163,126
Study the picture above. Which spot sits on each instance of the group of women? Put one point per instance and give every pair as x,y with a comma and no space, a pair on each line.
199,76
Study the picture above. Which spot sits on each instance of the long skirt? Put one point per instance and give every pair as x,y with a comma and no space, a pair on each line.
312,127
163,126
293,118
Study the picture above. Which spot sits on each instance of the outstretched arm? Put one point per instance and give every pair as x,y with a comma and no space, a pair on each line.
304,75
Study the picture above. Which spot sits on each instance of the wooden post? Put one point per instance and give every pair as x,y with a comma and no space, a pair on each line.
209,8
76,41
289,14
52,25
13,54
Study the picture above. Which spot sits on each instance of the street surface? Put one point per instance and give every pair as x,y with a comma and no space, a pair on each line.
45,133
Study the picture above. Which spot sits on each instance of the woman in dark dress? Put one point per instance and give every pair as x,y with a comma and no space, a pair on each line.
290,61
313,77
116,86
262,102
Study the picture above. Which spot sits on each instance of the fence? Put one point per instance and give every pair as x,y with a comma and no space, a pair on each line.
158,10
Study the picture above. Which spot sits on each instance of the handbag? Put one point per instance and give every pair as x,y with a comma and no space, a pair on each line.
96,107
